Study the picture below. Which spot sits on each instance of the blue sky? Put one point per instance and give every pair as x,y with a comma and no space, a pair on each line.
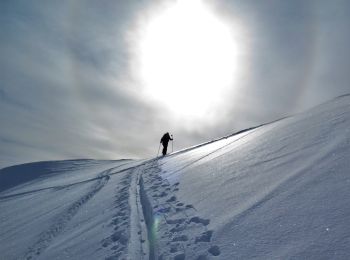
68,89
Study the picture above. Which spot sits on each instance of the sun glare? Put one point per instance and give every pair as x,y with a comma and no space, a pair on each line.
188,59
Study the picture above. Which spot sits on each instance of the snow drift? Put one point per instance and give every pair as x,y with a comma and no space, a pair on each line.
278,191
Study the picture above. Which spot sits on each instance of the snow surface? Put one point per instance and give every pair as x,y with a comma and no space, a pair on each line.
279,191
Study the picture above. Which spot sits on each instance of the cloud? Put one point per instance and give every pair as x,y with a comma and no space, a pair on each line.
67,90
288,55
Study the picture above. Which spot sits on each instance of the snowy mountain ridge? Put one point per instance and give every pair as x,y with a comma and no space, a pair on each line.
276,191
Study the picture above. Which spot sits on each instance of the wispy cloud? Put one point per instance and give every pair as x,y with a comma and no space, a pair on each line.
67,92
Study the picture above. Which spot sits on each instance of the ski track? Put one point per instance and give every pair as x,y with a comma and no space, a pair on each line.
138,249
175,231
58,226
128,239
149,221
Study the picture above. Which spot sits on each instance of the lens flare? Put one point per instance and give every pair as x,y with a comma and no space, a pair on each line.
154,229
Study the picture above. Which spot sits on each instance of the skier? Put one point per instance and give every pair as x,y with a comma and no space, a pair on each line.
164,141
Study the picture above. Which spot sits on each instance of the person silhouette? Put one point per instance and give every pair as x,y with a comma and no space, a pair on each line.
164,141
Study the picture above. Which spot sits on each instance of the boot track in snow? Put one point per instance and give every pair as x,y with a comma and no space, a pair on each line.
173,228
58,226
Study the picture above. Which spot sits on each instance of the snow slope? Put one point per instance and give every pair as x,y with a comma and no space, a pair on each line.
279,191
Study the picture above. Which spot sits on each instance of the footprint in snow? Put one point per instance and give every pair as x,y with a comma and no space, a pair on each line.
172,199
214,250
203,221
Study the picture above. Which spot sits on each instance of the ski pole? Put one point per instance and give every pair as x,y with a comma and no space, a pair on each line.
172,143
158,150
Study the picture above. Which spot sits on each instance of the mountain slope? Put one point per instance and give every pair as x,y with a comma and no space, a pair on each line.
278,191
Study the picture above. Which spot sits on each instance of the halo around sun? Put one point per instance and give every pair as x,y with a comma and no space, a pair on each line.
187,59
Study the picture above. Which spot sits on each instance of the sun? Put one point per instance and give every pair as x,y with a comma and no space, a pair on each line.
188,59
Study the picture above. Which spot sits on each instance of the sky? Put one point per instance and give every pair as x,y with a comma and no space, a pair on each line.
106,79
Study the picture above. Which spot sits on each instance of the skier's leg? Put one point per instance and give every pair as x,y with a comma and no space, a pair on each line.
165,147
